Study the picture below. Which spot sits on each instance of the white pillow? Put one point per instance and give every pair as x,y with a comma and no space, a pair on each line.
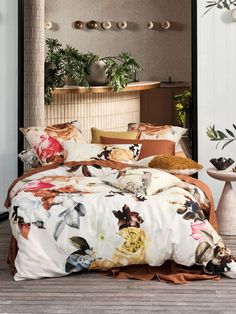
126,153
143,181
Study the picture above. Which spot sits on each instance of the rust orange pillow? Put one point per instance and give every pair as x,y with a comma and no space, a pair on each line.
149,147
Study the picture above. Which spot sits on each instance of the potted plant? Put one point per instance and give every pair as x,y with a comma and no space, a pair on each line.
69,66
182,106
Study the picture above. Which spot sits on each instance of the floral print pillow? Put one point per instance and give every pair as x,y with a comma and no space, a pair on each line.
47,141
143,181
83,152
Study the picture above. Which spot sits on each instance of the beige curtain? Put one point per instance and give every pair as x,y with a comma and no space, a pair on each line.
34,62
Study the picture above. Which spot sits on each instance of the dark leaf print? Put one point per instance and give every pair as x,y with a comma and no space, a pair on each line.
140,198
97,166
181,210
69,267
189,215
216,269
85,171
221,257
81,244
80,209
77,262
104,154
58,229
127,218
135,149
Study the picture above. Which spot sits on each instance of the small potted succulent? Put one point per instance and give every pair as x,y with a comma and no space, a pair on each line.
69,66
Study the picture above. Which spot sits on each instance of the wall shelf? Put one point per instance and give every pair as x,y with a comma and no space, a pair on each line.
136,86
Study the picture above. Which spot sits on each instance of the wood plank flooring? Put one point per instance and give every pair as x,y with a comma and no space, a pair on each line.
95,293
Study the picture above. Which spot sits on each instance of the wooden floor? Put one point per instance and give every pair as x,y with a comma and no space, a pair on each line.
95,293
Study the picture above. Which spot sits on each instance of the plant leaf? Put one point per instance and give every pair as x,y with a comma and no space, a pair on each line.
230,132
58,229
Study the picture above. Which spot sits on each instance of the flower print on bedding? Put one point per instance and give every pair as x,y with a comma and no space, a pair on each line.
46,141
86,152
76,223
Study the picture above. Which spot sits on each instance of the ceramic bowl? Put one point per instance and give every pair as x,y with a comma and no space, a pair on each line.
222,163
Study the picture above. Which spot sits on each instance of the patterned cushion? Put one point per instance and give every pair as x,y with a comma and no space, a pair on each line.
144,181
82,152
47,141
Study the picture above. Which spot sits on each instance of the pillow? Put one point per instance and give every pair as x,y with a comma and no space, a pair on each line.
149,147
82,152
96,134
144,181
29,158
46,141
147,131
175,164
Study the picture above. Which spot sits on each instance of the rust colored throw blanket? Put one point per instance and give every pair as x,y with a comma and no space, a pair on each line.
169,271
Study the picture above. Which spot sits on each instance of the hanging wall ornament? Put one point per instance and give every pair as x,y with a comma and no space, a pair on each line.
78,24
165,25
122,25
149,24
106,25
92,24
47,25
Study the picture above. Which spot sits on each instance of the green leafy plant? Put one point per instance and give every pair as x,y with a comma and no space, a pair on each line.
220,4
221,137
63,65
183,103
120,70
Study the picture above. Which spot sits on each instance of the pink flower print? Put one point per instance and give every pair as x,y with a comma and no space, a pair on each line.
48,148
197,228
37,185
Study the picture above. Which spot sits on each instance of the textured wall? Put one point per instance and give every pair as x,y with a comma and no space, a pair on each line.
160,53
216,85
8,92
34,62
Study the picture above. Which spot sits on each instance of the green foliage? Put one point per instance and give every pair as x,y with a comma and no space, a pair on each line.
220,4
120,70
63,64
183,102
221,137
68,64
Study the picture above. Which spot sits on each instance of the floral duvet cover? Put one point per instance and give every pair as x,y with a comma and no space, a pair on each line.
68,220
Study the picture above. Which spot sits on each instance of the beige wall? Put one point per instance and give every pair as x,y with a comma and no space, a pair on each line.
160,53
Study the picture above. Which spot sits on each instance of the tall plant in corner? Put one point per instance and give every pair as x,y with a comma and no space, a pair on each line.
224,138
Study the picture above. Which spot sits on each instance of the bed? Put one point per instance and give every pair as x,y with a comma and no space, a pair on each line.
103,215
